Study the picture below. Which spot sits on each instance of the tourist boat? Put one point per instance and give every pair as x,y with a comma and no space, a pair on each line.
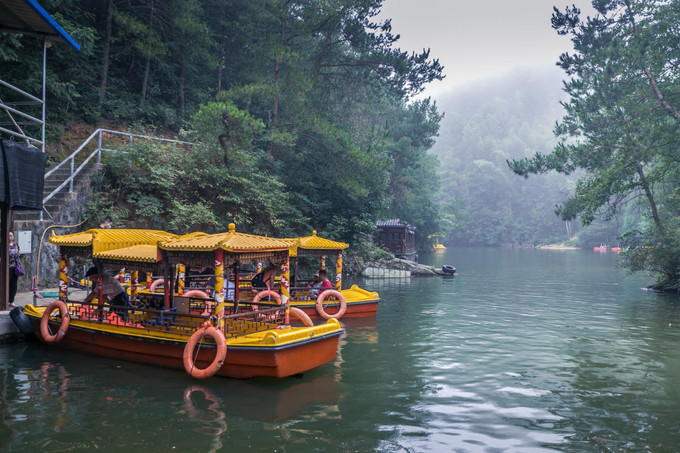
616,249
601,248
203,336
350,302
439,247
353,302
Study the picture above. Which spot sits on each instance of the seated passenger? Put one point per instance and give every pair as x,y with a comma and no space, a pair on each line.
315,284
228,291
325,283
112,291
265,279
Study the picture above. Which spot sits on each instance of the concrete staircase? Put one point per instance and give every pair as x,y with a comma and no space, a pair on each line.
64,209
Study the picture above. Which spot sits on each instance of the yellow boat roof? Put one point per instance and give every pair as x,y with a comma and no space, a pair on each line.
230,241
145,253
314,242
102,240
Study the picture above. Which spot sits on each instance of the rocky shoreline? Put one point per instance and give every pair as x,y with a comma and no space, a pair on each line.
557,247
355,265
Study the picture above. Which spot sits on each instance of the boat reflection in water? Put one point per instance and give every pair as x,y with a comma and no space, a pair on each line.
69,404
245,398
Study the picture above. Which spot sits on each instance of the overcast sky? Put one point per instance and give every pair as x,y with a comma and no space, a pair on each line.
476,39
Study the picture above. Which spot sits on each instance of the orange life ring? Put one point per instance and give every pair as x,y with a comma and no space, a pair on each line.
45,332
266,292
323,296
156,283
220,355
302,316
196,293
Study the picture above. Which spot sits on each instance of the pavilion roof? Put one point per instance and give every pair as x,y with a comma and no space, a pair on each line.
230,241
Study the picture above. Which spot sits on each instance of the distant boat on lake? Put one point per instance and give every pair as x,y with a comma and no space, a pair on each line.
605,248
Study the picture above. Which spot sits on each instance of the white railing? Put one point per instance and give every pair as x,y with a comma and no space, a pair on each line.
27,119
78,153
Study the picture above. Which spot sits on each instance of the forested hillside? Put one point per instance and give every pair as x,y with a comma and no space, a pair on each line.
485,124
301,112
621,127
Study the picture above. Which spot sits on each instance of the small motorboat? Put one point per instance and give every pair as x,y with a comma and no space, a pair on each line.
448,269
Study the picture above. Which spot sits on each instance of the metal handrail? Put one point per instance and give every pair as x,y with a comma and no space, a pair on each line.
73,155
148,137
71,159
18,132
69,180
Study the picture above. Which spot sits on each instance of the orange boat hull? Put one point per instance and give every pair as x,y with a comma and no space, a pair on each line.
241,361
360,304
354,309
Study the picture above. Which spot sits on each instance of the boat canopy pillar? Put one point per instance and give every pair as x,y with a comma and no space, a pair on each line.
181,269
285,285
219,276
63,275
338,270
134,283
167,285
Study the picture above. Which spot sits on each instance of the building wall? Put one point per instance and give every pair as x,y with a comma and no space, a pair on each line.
397,240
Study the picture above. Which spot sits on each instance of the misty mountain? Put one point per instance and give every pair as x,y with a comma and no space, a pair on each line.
485,124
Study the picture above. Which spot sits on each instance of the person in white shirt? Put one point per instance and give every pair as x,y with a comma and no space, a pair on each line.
112,290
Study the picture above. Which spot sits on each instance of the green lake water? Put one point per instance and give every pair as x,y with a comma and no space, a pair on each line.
522,351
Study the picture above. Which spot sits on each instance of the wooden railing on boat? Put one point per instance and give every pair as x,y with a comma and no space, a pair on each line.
236,321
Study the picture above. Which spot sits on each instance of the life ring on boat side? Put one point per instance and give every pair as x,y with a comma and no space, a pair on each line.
302,316
156,283
196,293
220,355
45,332
264,293
331,293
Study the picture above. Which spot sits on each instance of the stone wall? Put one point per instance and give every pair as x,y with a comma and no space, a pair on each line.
70,214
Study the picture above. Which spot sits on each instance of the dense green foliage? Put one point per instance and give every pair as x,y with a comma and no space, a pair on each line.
622,125
301,112
487,123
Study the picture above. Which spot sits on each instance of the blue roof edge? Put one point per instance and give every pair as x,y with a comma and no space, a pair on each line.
39,9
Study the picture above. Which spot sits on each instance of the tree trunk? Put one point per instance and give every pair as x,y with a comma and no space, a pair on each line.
650,77
273,120
223,49
147,67
105,57
182,75
146,79
650,197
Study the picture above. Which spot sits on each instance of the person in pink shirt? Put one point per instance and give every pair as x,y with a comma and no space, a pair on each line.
325,283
